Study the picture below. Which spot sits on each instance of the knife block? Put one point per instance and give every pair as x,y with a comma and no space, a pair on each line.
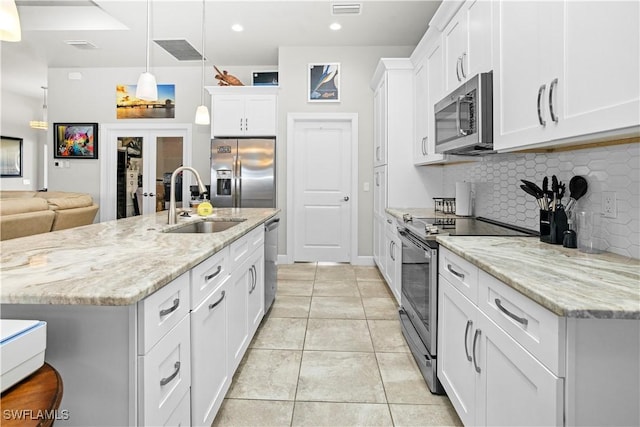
553,224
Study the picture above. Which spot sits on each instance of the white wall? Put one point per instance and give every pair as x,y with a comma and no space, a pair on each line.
357,67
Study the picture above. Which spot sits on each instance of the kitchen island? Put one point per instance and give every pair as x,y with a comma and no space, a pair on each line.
145,326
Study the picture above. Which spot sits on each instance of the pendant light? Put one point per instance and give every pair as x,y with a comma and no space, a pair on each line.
202,112
9,22
147,88
41,124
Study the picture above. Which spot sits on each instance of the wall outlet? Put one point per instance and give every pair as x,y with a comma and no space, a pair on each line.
609,205
365,186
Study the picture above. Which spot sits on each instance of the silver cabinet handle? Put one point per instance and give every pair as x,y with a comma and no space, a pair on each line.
393,250
215,304
466,335
345,198
212,275
541,119
389,221
424,149
554,83
458,69
174,307
475,339
464,75
518,319
168,379
377,179
378,153
254,279
455,273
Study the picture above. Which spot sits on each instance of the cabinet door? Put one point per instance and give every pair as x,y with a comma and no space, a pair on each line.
255,290
421,102
260,115
601,87
455,50
228,115
457,322
378,243
380,191
478,58
210,377
527,40
435,89
237,315
380,123
514,388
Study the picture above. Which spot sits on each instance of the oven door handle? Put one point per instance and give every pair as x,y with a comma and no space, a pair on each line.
416,345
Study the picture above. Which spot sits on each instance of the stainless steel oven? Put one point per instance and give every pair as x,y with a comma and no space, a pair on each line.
418,315
419,311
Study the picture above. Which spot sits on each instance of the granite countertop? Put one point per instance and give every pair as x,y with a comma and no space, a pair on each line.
111,263
565,281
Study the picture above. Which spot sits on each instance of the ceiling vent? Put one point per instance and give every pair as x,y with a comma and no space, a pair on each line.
81,44
347,8
180,49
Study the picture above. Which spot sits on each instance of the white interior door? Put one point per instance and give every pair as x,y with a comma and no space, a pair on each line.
135,161
322,189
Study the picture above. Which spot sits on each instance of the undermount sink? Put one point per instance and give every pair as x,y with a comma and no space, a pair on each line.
208,226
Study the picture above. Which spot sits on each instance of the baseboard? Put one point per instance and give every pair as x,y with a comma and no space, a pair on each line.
360,260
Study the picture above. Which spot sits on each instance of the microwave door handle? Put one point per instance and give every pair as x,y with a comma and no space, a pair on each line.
461,131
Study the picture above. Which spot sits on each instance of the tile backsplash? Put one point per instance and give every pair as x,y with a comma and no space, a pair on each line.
614,168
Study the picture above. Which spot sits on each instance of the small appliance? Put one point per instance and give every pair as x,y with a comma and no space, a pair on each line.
464,199
22,346
464,118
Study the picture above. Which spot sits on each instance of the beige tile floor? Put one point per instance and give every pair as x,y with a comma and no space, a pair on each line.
331,353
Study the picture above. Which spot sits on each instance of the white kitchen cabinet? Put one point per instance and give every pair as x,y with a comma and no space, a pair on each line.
393,262
380,136
255,290
211,375
467,43
243,111
238,315
379,205
562,71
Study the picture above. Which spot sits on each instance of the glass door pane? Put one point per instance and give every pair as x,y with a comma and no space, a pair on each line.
129,175
169,157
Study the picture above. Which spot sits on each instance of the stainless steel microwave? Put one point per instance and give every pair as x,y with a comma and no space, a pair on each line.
464,118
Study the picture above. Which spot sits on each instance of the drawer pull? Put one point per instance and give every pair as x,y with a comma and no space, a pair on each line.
518,319
466,334
212,306
168,379
212,275
475,339
455,273
174,307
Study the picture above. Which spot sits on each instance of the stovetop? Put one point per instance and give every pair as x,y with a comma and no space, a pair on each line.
427,229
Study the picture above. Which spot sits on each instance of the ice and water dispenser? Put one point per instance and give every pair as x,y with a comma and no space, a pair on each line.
223,182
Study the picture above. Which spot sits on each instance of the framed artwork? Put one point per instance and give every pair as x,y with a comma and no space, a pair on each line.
264,78
10,156
75,140
130,107
324,82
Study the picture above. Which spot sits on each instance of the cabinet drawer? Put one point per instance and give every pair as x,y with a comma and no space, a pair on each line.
534,327
182,414
207,275
165,375
390,225
460,273
161,311
242,248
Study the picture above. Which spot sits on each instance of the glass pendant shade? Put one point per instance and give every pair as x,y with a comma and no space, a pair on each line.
147,88
9,22
202,115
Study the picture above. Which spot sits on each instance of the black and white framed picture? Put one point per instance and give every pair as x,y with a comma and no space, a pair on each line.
324,82
10,156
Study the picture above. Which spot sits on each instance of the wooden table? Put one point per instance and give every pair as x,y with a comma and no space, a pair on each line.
34,401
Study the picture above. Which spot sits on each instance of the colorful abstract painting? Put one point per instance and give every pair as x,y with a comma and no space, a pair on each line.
75,140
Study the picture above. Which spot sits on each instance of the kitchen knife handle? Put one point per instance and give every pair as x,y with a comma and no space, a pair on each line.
554,83
475,339
466,335
518,319
541,119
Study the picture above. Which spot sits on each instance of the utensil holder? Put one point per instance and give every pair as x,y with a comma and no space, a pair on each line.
553,224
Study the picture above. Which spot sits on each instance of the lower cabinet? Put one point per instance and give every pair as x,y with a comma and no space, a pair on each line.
393,251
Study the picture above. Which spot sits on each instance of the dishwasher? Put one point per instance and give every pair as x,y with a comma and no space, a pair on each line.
270,261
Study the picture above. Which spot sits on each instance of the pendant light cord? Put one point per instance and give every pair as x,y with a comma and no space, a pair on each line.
148,30
202,54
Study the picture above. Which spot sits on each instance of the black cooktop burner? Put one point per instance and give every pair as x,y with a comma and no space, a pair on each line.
425,228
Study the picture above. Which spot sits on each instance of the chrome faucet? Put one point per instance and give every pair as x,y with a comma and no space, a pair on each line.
173,214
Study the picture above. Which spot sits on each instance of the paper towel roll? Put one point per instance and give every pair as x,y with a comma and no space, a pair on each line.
464,199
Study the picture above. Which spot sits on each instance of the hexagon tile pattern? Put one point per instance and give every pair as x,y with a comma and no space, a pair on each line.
615,168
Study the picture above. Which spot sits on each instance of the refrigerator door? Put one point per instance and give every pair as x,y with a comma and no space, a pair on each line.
256,178
223,171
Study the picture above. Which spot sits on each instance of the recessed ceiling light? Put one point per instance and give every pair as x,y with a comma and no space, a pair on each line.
237,28
335,26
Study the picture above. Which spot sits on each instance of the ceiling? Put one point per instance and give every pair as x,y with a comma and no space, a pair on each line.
118,30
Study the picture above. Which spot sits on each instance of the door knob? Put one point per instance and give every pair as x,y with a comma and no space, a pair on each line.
145,194
346,198
151,194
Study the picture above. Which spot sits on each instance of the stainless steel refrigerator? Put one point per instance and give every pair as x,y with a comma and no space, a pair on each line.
243,172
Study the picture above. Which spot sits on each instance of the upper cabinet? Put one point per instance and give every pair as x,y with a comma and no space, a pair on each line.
564,69
243,111
467,43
